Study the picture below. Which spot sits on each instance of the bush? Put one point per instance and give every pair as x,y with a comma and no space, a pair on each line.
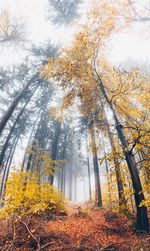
25,195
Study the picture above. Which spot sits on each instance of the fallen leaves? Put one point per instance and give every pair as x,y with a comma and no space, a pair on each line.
95,230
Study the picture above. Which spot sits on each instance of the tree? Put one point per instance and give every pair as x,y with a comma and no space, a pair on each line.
98,195
14,125
77,69
63,11
15,102
11,30
140,11
34,81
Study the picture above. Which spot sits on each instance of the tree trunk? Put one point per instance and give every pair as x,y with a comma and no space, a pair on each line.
7,168
142,223
13,128
31,155
54,147
98,196
64,157
14,104
70,181
145,171
30,139
75,185
71,175
121,195
108,176
88,166
3,180
120,188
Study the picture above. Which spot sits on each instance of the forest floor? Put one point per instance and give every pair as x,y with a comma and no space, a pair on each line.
82,229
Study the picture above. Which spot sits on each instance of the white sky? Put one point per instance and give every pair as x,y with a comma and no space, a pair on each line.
133,45
39,29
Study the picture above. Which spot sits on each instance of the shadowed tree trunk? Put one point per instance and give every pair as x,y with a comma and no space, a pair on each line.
120,188
145,170
121,195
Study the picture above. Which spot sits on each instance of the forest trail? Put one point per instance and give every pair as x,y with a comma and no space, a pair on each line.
82,228
94,229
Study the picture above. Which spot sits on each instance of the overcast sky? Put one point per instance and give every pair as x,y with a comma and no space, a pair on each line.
132,46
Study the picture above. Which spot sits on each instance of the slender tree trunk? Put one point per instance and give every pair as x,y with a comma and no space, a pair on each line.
30,139
59,181
64,187
3,180
108,176
70,181
71,176
131,197
89,178
54,148
14,104
98,196
88,166
30,157
12,155
62,179
64,157
142,222
7,168
13,128
75,186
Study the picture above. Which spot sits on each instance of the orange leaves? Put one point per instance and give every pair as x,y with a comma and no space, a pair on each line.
74,64
109,16
96,231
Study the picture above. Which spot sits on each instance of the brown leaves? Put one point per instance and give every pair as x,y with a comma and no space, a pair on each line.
98,230
95,231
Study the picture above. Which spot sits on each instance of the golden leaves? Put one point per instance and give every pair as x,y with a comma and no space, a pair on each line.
24,195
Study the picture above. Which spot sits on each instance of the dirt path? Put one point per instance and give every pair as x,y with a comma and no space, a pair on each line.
82,229
94,229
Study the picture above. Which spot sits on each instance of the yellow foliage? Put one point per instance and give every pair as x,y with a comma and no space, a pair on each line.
24,194
146,202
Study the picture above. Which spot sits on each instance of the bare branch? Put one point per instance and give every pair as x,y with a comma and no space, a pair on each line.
11,30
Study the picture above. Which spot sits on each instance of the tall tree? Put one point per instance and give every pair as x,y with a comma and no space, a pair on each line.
76,69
